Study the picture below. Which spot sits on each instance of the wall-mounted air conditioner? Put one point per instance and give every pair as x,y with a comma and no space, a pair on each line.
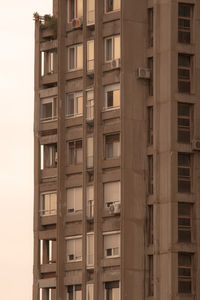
77,23
114,208
115,64
196,145
143,73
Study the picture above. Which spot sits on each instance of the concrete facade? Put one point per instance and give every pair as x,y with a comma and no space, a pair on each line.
152,261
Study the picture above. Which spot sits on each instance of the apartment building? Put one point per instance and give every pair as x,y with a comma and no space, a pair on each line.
117,141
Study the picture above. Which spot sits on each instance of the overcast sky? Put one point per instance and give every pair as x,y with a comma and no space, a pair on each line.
16,151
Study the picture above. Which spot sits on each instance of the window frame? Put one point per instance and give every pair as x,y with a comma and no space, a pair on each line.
75,200
184,18
89,23
186,278
185,228
112,38
150,119
182,128
90,202
185,79
150,27
76,68
112,296
77,96
106,145
74,291
108,203
88,254
111,88
90,105
184,178
74,162
47,100
74,239
69,19
87,291
42,205
111,11
150,275
150,174
90,69
112,233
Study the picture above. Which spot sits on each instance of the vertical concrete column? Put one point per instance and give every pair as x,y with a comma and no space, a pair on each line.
36,267
98,289
133,148
60,262
84,219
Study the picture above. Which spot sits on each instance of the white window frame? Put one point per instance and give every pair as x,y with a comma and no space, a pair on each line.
118,201
74,238
89,255
53,101
90,13
74,189
44,212
109,88
112,11
112,38
77,96
75,57
88,286
107,234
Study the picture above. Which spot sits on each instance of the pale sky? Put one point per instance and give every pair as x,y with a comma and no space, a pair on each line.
16,151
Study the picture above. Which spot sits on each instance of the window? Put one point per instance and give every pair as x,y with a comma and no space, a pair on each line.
185,273
47,294
48,156
150,125
90,291
75,9
74,249
74,292
150,224
112,5
48,62
47,251
48,110
111,244
48,204
112,145
185,120
75,57
185,12
112,193
90,250
150,66
112,48
112,96
184,172
90,201
90,12
184,73
90,153
90,55
74,200
150,26
112,290
150,174
74,105
75,152
151,288
184,222
90,105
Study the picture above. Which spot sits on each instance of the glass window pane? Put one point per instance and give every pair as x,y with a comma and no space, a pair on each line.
116,47
115,294
116,98
79,105
79,8
116,4
79,155
72,58
79,57
78,199
109,54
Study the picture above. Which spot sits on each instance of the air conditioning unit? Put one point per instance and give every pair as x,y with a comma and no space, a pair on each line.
115,64
196,145
143,73
114,208
77,23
